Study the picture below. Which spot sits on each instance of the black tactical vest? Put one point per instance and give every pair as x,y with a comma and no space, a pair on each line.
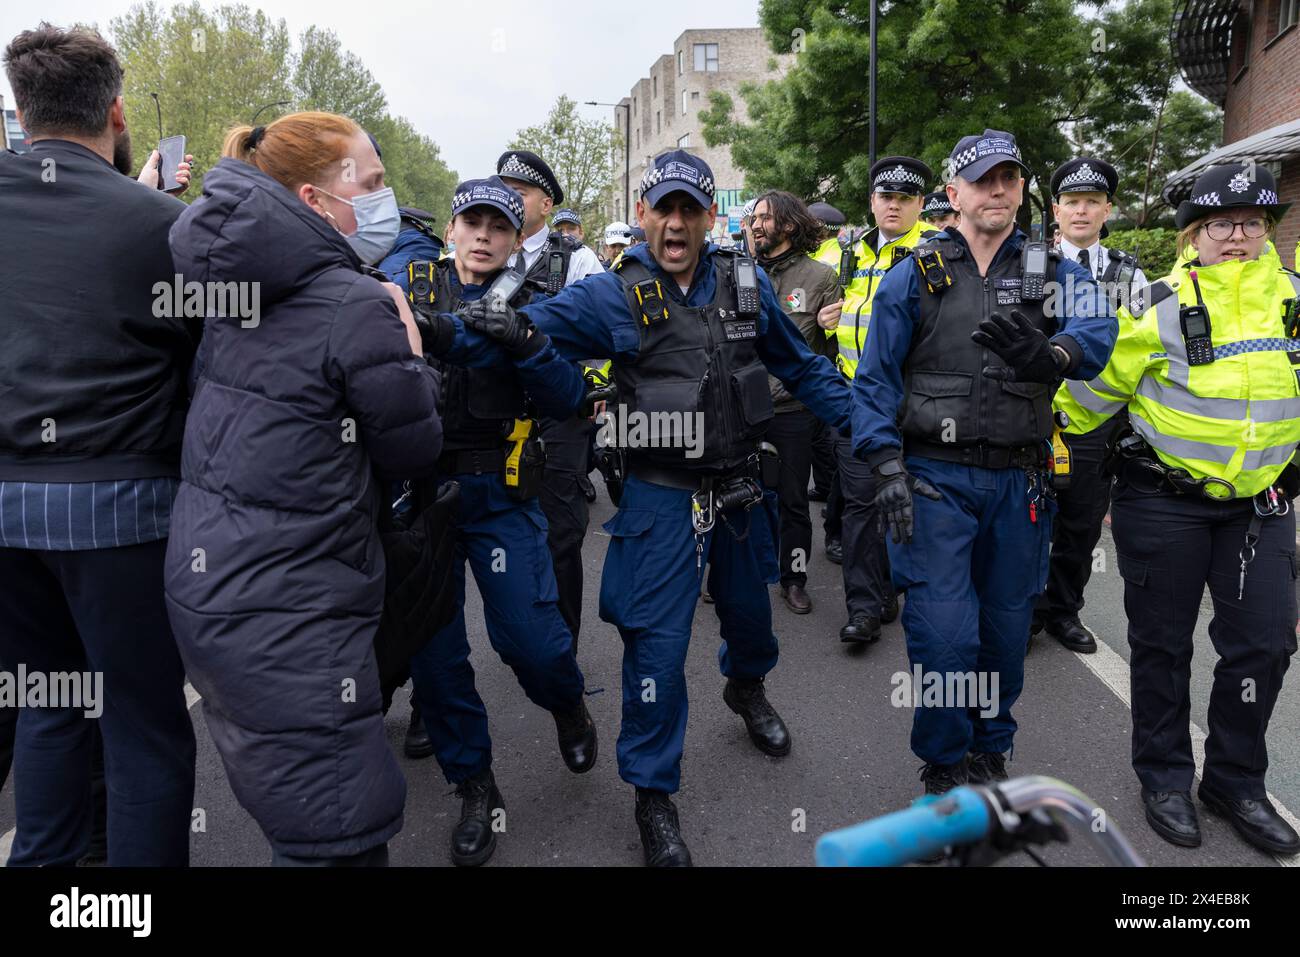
694,360
477,406
948,401
550,271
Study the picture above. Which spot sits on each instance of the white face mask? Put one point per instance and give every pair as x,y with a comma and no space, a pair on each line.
378,222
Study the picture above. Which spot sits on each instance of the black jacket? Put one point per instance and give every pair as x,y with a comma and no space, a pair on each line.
81,250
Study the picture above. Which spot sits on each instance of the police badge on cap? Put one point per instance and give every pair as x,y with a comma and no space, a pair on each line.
936,204
530,168
489,192
973,156
566,215
1084,174
678,171
900,174
1230,187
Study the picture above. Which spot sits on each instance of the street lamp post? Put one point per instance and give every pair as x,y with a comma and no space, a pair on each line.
871,96
627,154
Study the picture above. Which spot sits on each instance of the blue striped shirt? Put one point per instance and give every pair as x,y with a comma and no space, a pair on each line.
77,516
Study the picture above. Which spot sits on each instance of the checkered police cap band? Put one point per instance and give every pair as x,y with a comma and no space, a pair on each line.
1207,199
515,168
990,146
483,193
938,205
1085,175
899,175
676,171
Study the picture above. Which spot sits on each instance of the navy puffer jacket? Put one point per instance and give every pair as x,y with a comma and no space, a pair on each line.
275,577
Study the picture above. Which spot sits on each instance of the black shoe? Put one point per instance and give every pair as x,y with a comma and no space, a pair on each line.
473,840
796,599
986,767
417,744
818,495
1071,633
577,735
1256,820
1172,815
1035,626
835,551
661,834
862,629
889,612
766,729
588,490
942,778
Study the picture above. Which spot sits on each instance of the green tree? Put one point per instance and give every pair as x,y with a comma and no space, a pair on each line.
327,77
581,154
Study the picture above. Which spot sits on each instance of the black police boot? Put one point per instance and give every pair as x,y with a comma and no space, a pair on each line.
1256,820
862,629
889,612
417,744
942,778
1071,633
835,551
1172,815
986,767
577,735
747,698
473,840
661,834
818,494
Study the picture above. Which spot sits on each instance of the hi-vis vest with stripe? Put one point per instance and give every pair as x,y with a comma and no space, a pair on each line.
1236,418
855,316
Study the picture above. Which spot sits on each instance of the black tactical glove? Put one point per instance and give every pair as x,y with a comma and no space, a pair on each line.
437,332
496,320
1029,354
894,488
1289,480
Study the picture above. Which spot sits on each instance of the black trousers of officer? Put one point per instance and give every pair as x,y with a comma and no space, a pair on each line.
565,507
791,432
1170,547
1078,523
823,457
867,586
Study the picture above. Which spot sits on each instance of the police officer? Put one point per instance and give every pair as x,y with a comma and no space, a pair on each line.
1206,369
832,221
693,331
500,527
1083,189
951,412
936,209
897,183
551,261
567,222
618,236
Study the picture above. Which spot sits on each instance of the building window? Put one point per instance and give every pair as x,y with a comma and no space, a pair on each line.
684,101
681,62
684,142
1239,50
658,127
1288,14
706,58
638,137
654,86
634,106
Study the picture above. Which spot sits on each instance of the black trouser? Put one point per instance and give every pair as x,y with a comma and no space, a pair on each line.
1170,547
565,507
823,457
1082,509
833,524
867,587
792,432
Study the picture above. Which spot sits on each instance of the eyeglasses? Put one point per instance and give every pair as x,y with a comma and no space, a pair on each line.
1221,229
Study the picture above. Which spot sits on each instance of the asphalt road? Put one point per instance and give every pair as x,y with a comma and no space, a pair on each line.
850,759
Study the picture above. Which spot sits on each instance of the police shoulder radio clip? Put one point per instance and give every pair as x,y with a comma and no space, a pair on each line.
555,272
747,297
934,271
1033,270
848,264
1195,321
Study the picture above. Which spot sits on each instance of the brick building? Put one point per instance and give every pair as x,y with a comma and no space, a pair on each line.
663,108
1244,55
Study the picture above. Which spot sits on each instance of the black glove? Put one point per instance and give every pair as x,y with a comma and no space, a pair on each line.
1289,480
894,488
1025,350
496,320
437,332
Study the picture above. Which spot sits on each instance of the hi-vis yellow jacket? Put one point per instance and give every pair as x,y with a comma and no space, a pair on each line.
855,318
828,252
1236,418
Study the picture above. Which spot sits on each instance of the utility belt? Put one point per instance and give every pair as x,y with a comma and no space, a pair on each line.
981,455
520,463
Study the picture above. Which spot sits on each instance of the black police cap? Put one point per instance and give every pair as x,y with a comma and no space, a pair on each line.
528,167
1085,174
1231,187
900,174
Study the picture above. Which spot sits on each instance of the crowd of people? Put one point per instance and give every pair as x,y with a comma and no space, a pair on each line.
270,505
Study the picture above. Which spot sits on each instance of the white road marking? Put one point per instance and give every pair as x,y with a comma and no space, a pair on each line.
7,838
1108,665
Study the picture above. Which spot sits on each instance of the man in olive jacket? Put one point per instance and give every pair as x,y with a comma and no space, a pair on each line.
784,234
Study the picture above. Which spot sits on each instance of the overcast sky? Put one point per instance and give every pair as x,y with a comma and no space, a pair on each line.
439,64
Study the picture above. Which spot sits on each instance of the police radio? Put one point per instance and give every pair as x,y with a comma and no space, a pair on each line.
1125,270
933,269
503,288
1033,270
1195,321
1291,316
848,265
555,273
747,298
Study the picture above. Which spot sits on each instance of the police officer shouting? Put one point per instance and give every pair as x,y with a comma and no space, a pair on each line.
550,261
951,411
1083,189
897,183
693,331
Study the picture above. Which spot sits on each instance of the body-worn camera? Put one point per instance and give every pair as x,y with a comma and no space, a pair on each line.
934,271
